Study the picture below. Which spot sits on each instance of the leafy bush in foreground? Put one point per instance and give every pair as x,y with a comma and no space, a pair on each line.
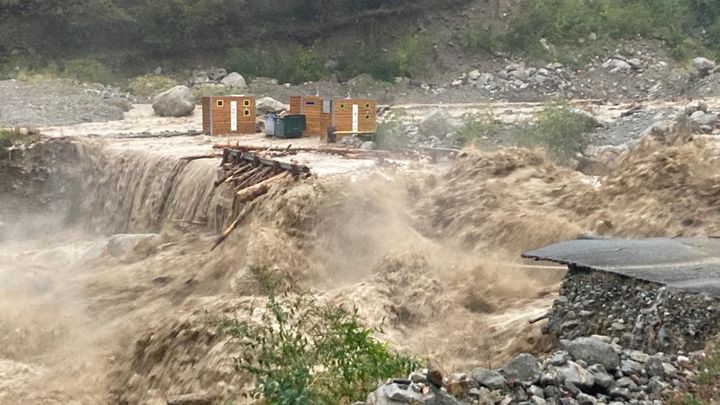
304,352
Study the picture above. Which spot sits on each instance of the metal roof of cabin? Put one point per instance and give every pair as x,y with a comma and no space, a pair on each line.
684,263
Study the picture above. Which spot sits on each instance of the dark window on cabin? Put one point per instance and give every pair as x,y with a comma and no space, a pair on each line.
221,103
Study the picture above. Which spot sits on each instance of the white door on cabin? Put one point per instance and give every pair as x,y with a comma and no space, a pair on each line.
356,117
233,116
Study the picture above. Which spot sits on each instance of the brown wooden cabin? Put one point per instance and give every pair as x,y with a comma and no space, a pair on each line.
228,115
347,116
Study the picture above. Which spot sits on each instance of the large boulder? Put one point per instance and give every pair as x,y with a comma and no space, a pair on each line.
617,66
703,65
576,375
704,118
267,105
234,80
488,378
216,74
524,367
439,123
592,351
176,102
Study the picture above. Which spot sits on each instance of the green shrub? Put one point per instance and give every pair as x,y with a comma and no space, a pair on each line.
88,70
476,127
304,352
150,85
567,24
292,66
8,137
560,130
485,38
207,90
391,136
411,56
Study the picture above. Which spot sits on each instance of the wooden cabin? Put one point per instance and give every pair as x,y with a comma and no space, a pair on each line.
354,116
228,115
347,116
317,112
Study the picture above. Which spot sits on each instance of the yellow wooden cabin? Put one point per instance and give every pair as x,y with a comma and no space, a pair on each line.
228,115
346,116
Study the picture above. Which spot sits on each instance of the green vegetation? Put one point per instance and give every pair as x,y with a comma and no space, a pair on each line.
573,30
295,65
477,127
34,66
305,352
151,85
411,56
8,137
390,135
560,130
107,40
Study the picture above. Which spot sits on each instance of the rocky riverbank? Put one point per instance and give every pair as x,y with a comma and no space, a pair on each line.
583,371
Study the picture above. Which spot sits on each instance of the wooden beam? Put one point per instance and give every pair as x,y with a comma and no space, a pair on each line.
250,193
241,217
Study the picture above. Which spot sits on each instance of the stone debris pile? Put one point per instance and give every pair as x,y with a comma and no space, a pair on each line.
637,314
584,371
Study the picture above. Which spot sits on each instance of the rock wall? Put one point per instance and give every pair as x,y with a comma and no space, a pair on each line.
639,315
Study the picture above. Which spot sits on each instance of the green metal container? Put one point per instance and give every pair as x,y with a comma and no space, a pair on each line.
290,126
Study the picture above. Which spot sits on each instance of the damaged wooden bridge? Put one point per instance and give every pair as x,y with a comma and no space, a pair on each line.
251,176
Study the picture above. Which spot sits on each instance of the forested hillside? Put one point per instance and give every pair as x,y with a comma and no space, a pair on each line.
300,40
125,32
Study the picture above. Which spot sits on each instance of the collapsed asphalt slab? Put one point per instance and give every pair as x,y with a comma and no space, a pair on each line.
685,263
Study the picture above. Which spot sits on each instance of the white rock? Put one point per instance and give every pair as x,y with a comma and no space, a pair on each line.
703,65
234,80
176,102
703,118
617,66
268,105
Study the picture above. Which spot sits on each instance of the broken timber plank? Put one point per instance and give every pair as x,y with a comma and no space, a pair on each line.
232,173
231,228
247,175
255,191
256,178
205,156
239,155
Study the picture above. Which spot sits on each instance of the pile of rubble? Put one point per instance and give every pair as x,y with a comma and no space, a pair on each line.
665,125
518,76
217,77
585,371
638,314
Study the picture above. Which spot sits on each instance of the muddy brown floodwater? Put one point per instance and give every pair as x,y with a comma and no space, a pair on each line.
90,314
